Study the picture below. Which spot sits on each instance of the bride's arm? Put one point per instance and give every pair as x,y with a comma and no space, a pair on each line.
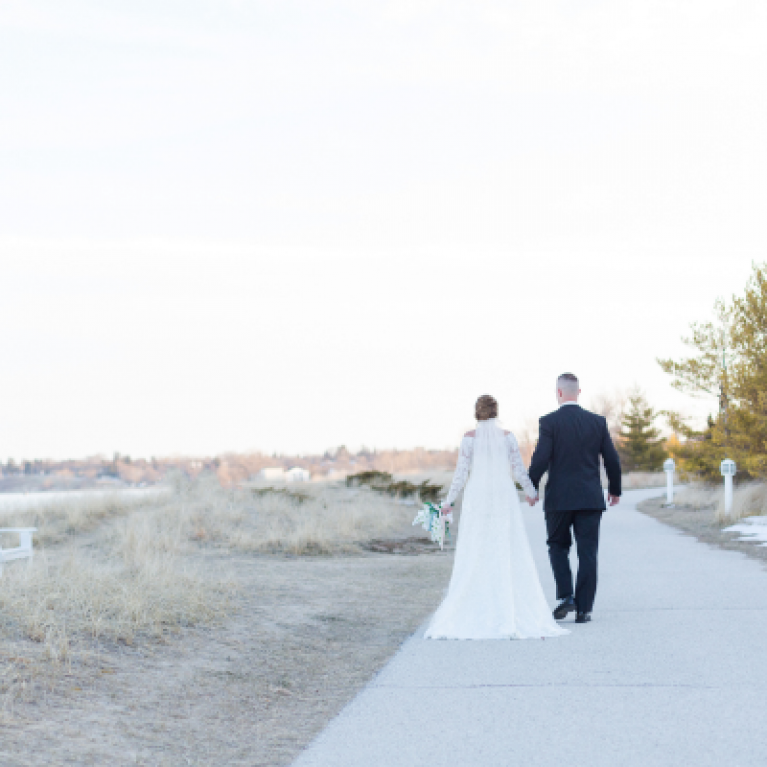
518,467
461,470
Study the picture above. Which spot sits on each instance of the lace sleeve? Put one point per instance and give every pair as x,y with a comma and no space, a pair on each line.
461,469
518,470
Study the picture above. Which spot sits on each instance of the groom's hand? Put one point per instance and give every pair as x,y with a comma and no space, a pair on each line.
613,500
532,501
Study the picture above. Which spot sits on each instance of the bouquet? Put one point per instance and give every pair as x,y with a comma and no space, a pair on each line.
437,524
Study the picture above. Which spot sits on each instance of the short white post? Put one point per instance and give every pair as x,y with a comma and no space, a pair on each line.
728,469
23,550
25,541
669,466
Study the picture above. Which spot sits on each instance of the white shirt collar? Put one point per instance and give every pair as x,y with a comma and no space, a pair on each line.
568,403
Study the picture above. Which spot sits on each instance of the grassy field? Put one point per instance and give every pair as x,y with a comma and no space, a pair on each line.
275,605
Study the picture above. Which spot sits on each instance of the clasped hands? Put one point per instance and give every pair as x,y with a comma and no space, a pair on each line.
612,500
532,501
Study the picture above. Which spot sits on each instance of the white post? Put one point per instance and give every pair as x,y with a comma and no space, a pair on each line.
728,494
25,541
668,467
728,469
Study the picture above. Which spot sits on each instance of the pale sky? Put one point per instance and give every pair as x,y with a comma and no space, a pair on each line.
288,225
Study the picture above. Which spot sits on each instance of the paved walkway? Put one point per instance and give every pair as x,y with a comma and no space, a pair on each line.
672,671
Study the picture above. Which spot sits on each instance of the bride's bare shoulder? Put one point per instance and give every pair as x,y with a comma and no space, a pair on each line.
470,433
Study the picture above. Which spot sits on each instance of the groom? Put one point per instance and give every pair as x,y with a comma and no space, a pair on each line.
570,443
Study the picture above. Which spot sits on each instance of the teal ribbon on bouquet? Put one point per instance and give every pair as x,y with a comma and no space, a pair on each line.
437,524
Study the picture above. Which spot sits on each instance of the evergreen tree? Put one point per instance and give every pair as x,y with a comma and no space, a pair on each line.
730,365
640,445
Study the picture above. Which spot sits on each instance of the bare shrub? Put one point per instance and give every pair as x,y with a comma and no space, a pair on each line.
611,405
527,438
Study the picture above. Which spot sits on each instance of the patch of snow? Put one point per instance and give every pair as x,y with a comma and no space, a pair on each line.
753,529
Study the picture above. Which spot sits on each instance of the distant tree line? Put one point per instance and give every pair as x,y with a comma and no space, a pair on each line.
230,468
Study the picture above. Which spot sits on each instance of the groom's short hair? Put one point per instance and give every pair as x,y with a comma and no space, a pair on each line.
568,383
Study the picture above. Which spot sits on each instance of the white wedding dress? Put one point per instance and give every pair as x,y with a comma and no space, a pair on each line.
494,591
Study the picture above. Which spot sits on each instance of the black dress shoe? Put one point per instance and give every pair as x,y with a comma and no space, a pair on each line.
583,617
567,605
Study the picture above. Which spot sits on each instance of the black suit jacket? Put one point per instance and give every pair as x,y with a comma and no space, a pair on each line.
570,442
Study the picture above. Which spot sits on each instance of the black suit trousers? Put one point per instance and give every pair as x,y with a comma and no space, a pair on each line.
585,525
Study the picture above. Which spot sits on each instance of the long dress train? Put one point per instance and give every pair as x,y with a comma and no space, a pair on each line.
494,590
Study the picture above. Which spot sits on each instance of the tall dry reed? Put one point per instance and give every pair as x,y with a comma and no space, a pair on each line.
748,500
298,519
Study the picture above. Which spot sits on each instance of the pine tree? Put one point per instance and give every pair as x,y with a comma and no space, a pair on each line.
640,445
730,366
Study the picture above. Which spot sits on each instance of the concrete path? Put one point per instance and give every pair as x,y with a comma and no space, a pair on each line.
672,671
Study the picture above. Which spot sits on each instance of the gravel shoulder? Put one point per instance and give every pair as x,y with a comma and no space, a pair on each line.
701,524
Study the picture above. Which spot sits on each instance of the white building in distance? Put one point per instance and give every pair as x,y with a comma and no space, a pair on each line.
277,474
297,474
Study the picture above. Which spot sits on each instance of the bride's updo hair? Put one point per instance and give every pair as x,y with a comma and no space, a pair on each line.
486,408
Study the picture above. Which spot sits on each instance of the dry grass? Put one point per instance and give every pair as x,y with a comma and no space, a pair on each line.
62,611
748,500
643,479
300,519
59,518
82,597
115,569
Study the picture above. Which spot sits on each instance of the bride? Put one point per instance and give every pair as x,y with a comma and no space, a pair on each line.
494,590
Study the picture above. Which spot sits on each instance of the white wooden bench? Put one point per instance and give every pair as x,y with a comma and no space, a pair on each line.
23,550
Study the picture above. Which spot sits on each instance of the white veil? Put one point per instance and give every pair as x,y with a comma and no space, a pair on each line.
491,490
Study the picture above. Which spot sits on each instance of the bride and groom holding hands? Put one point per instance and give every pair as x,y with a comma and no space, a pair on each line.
494,590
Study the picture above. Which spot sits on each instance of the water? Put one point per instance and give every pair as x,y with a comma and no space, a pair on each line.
25,501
